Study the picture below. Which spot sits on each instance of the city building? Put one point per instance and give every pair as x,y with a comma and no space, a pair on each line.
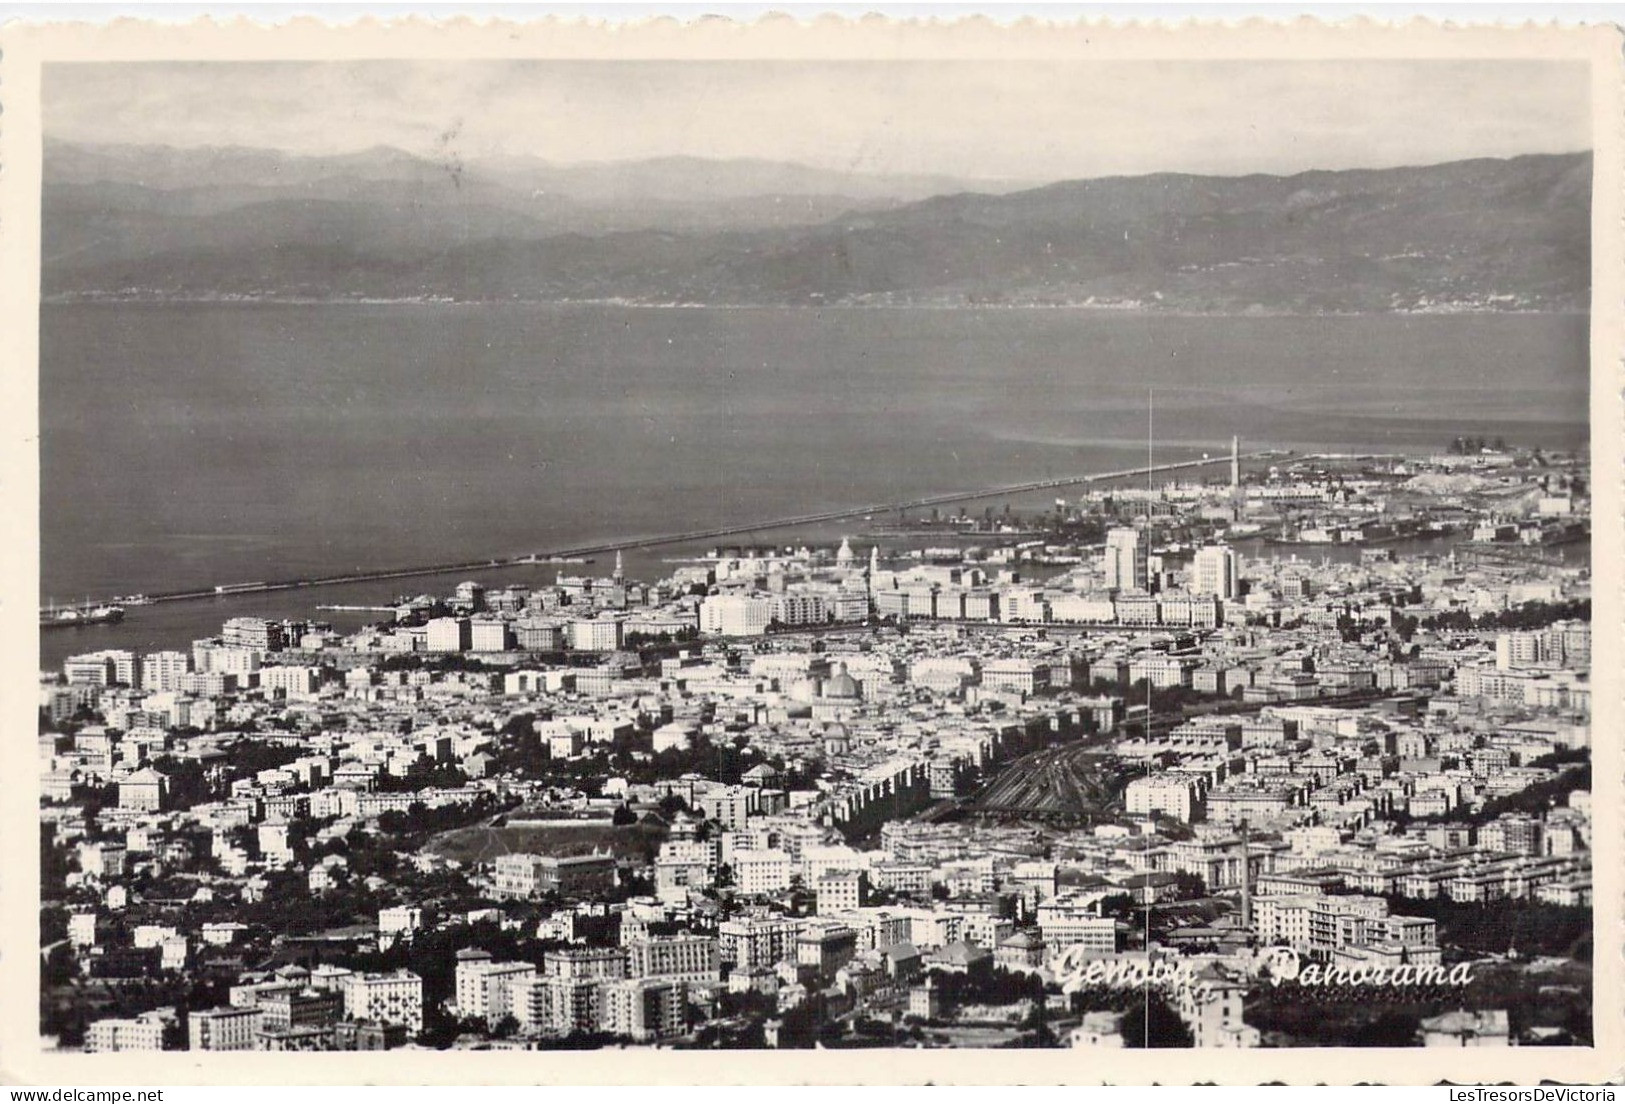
644,1009
1126,565
1215,571
393,998
735,615
681,957
223,1028
449,634
144,1032
144,791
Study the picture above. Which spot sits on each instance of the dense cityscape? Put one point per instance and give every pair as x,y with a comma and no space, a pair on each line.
1295,757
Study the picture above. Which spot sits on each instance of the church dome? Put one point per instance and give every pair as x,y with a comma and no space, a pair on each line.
842,685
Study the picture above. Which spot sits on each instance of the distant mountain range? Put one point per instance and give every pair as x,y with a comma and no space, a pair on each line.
155,222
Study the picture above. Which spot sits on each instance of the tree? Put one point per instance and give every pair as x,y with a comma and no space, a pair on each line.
1391,1029
1151,1023
623,817
59,968
1038,1023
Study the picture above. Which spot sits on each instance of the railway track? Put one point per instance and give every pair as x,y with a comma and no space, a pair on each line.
1077,779
1083,780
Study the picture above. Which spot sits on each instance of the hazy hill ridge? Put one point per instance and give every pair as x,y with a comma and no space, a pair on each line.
153,222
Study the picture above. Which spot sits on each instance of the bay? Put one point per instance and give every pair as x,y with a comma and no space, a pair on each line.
189,445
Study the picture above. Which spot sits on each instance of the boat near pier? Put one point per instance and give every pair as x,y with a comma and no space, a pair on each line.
87,613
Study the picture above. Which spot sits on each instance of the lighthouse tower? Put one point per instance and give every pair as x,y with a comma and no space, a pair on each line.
1235,463
620,568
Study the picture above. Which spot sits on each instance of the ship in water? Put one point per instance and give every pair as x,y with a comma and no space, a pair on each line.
86,613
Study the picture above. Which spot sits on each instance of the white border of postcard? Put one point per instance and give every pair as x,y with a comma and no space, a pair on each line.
27,47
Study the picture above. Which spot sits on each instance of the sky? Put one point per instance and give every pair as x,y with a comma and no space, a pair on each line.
1029,121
